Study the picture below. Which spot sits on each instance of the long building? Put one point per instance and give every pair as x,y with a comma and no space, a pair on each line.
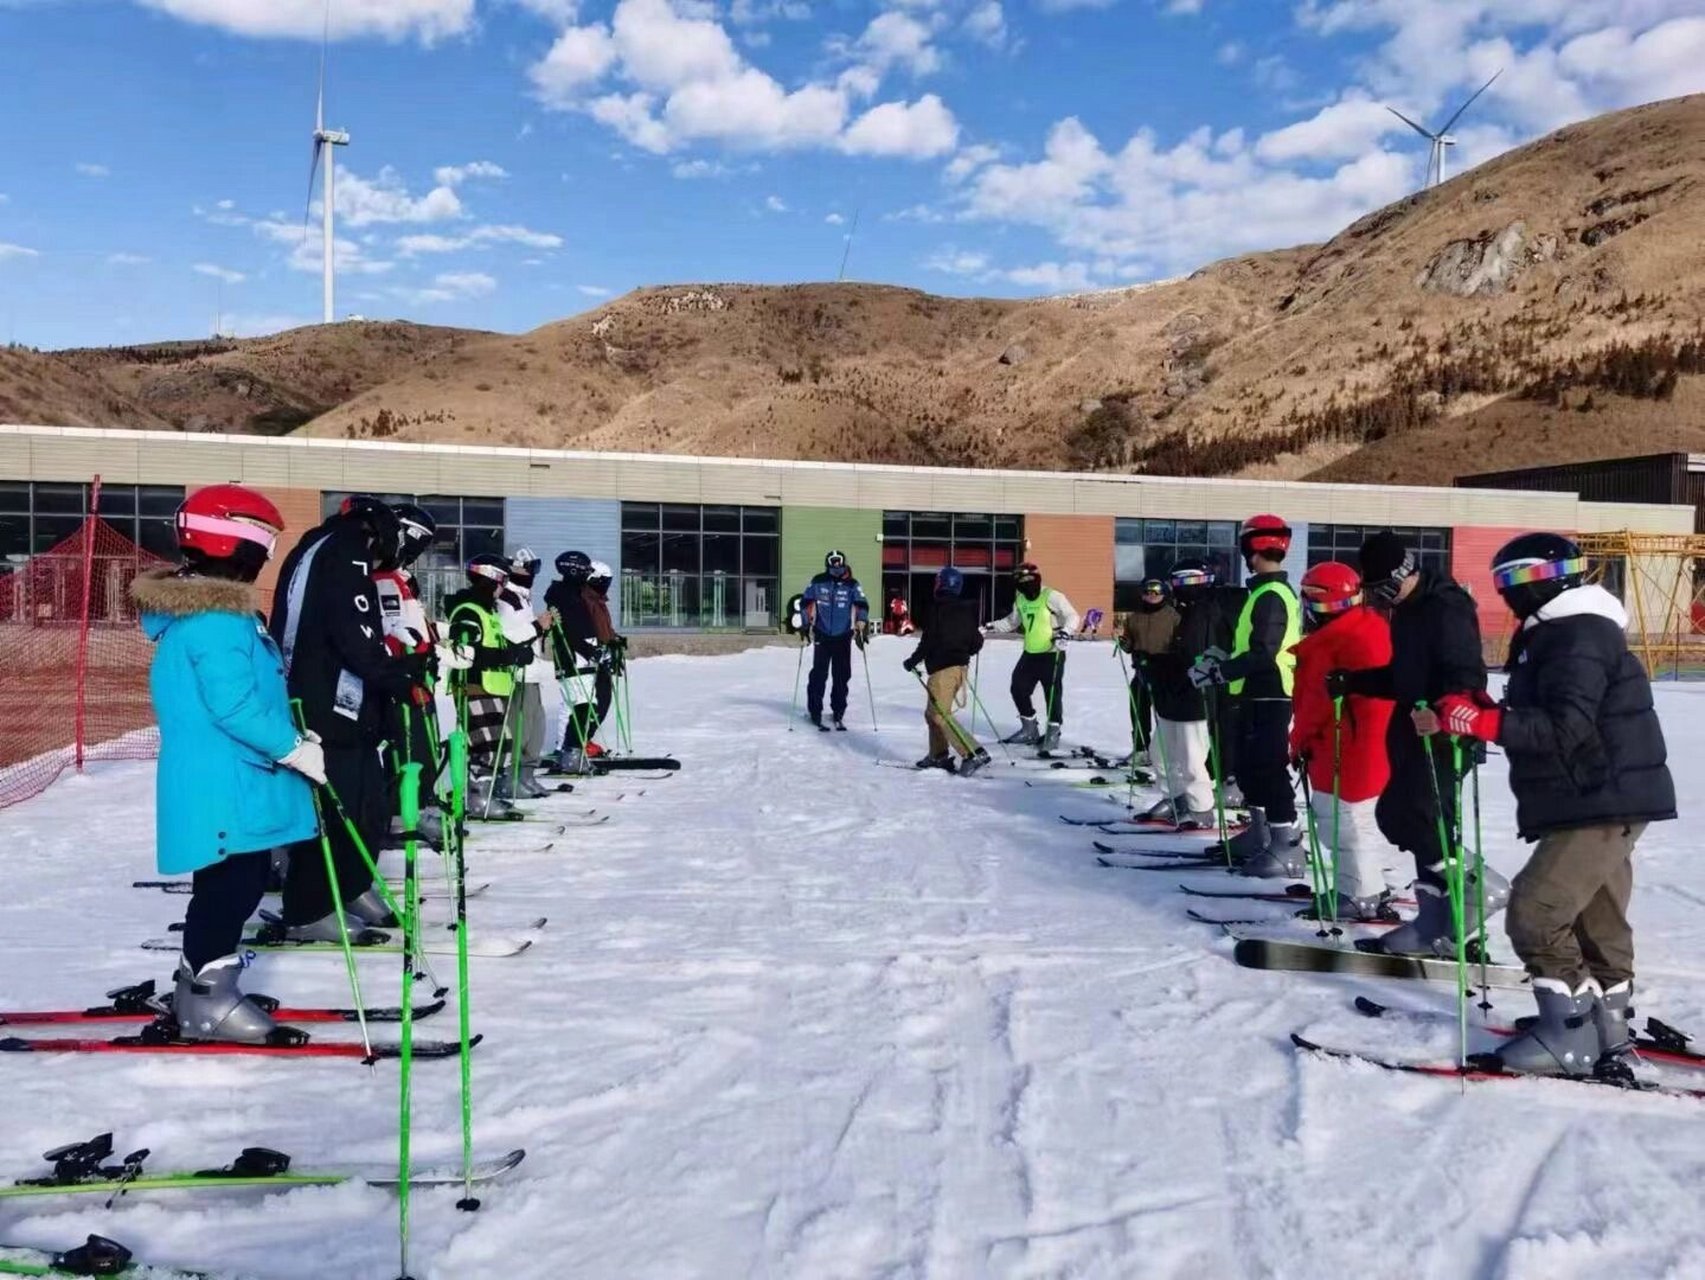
722,543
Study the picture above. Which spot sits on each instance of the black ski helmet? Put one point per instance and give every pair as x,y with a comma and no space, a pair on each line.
524,566
836,559
1028,579
1533,570
1152,594
1191,580
489,569
384,530
419,530
574,567
949,583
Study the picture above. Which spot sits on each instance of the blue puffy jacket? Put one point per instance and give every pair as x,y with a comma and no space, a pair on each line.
218,686
837,603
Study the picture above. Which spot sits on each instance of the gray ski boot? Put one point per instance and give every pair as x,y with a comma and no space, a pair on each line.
1374,909
531,787
1283,859
1250,843
325,929
483,804
1050,739
209,1005
1430,933
572,760
942,761
371,910
971,764
432,827
1028,734
1565,1041
1164,810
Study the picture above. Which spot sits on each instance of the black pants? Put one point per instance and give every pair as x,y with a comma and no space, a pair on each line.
1408,813
225,896
1046,671
363,785
829,652
1142,714
1221,713
1264,755
585,717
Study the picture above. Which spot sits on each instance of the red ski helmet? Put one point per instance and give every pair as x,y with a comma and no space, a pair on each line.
1264,533
1330,589
216,521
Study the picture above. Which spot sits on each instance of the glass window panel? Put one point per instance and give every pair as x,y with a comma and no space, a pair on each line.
722,519
722,553
1128,563
760,557
932,524
1160,531
15,496
681,517
1005,557
973,528
1008,528
481,542
1128,532
118,500
641,553
895,524
973,557
59,499
52,530
158,537
681,553
641,515
159,499
14,535
760,519
1223,532
486,511
1193,531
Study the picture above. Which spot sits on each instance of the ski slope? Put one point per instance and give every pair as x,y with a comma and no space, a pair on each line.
797,1015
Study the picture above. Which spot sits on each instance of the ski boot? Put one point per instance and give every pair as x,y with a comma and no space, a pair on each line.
1432,931
531,787
1374,909
1050,739
208,1005
943,761
1187,819
1283,858
370,908
818,721
486,801
573,760
1164,810
1565,1040
973,763
325,929
1028,734
1233,796
1254,840
431,828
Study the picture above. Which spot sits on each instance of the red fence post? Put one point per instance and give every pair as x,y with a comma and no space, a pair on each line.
83,620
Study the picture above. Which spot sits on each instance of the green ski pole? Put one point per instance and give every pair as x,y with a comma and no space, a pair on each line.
869,688
1211,704
1453,883
337,894
1480,891
999,741
949,725
464,1004
1324,913
411,907
798,670
1337,791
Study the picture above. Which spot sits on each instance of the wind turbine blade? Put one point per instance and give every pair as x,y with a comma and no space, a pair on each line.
1464,107
325,42
1406,120
313,172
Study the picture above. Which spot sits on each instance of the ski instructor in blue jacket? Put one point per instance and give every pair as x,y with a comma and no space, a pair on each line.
839,617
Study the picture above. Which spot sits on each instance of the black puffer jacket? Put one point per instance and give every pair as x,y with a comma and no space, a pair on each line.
1582,735
951,637
1435,649
1206,619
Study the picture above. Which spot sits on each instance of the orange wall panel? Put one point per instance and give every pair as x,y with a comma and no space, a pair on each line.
1075,554
1471,550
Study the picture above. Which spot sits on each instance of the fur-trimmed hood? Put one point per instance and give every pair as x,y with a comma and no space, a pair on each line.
165,595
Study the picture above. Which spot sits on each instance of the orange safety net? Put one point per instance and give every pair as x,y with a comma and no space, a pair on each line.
73,661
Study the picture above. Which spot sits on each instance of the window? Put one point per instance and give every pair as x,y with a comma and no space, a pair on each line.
36,517
1149,549
694,566
915,544
467,527
1343,542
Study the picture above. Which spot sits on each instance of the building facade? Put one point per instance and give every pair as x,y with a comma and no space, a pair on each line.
720,543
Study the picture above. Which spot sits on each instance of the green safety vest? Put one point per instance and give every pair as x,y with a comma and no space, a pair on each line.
499,684
1286,657
1036,621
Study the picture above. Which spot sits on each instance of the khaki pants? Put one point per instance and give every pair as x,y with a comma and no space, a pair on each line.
946,687
1568,912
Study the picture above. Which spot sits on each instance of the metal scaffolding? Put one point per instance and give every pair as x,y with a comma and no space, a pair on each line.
1660,579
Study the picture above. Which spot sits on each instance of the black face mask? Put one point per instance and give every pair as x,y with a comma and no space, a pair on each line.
1146,605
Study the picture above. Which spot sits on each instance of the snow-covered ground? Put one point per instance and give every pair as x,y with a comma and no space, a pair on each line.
796,1015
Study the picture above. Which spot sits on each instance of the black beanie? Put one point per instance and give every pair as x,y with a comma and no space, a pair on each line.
1383,556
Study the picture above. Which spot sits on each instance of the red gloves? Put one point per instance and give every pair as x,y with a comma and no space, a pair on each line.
1470,717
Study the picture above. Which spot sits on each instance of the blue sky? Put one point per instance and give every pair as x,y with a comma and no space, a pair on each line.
515,161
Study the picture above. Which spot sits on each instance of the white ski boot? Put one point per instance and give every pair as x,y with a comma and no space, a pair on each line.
325,929
973,763
208,1005
1028,734
370,908
1050,739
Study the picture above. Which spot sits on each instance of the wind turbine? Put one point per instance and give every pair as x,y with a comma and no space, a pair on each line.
324,141
1442,139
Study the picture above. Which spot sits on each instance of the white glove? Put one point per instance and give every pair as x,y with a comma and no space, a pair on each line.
455,657
307,758
1206,671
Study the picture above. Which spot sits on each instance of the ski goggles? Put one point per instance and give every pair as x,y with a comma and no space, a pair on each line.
1329,606
836,562
1192,578
239,527
1518,575
1153,590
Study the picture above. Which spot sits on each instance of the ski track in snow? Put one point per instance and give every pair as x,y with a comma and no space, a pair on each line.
797,1016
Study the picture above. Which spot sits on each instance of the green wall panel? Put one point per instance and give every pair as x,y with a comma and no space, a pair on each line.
810,533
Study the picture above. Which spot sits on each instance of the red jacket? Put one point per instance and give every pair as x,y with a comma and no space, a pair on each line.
1355,640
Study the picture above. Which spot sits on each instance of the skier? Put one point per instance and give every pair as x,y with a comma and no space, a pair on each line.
522,627
230,783
1343,747
613,646
1259,674
408,631
899,616
950,640
1148,632
327,621
1588,766
582,632
839,615
1181,715
1046,620
486,683
1435,651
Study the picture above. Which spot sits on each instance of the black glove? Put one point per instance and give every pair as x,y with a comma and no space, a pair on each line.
519,654
911,664
1338,683
861,637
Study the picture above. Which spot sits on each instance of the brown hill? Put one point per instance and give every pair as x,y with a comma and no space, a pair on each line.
1549,302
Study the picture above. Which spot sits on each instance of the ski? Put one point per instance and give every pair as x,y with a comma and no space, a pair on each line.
96,1256
161,1038
1297,893
141,1004
1481,1068
1305,916
1199,853
1660,1042
507,849
484,948
1178,866
1253,952
184,888
79,1169
628,764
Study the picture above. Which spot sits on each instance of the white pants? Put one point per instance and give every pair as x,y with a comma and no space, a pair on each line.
1361,853
1183,746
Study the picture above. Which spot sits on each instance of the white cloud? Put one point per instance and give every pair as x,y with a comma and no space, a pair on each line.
127,259
412,246
986,24
453,175
775,204
689,169
969,160
427,20
93,170
594,290
895,39
561,12
835,220
1182,7
363,202
307,252
224,274
1230,53
958,262
415,245
917,130
244,324
1344,129
469,284
578,60
1052,277
16,251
